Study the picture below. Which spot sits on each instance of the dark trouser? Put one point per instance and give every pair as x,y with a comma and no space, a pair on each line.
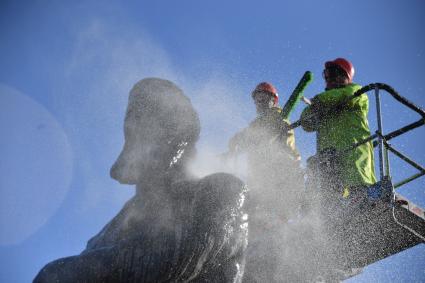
336,211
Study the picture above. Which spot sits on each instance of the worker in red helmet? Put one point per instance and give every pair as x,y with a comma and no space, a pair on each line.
338,73
269,120
337,129
339,123
274,180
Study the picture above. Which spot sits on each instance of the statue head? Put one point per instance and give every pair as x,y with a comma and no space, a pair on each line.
160,131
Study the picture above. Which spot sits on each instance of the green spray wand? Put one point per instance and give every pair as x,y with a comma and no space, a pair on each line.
297,94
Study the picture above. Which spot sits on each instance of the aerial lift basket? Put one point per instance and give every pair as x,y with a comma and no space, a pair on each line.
391,223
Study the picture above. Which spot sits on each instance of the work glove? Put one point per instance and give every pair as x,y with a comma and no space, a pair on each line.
316,108
312,121
284,126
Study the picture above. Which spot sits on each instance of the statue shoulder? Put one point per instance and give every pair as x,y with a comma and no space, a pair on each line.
217,187
221,191
222,183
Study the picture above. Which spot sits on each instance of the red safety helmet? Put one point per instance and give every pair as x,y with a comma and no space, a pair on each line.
267,87
343,64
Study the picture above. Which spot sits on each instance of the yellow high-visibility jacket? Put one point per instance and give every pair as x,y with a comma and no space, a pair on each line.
265,129
341,129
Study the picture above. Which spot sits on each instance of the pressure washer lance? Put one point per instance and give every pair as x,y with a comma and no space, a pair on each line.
294,99
297,95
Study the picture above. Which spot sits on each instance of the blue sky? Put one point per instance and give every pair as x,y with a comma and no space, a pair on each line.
67,67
